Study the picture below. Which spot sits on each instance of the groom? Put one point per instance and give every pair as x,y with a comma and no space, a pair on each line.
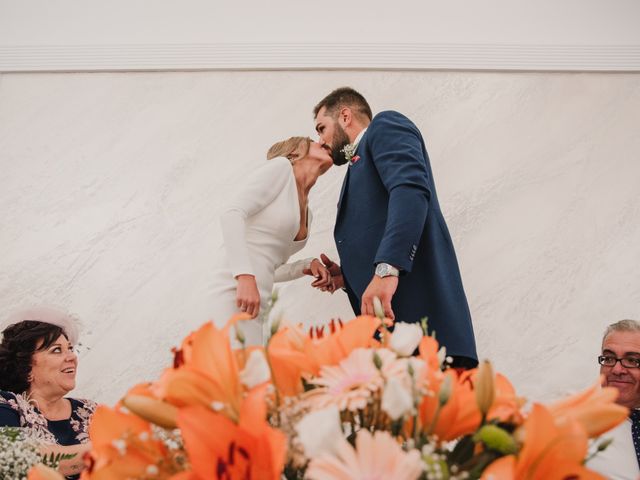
390,234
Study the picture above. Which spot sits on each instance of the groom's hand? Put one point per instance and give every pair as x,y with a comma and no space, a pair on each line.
320,273
384,289
337,280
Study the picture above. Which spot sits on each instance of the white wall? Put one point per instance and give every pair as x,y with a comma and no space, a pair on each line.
112,184
72,35
91,22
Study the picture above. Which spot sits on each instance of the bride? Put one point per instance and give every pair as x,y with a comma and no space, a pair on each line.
267,222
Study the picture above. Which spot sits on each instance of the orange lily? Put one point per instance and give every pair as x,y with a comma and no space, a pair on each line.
294,355
220,448
206,373
428,349
124,447
461,415
287,354
357,333
595,409
550,452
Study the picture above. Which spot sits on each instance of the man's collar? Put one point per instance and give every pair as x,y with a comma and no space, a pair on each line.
359,137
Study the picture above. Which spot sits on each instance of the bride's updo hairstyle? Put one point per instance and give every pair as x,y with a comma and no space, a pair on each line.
292,148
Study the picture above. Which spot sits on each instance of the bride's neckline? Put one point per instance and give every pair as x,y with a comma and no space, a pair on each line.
295,185
307,226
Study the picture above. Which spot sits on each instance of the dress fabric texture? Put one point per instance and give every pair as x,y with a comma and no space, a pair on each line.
17,411
258,229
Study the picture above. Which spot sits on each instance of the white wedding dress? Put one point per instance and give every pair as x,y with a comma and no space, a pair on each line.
258,230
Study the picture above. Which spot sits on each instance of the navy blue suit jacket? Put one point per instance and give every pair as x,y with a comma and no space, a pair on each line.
388,212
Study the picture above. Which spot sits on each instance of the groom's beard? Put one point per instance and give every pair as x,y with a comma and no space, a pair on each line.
340,139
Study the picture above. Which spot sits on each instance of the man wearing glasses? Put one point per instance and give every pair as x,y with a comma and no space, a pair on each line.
620,368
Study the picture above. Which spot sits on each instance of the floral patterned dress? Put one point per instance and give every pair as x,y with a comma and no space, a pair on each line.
16,411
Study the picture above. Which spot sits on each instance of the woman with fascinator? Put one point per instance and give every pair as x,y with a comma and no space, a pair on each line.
37,370
267,222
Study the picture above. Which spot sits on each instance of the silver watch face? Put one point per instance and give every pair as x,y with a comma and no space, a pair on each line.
385,270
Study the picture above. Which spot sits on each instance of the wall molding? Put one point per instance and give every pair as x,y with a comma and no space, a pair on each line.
312,56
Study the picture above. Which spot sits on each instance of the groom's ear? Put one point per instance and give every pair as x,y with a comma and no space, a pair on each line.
345,117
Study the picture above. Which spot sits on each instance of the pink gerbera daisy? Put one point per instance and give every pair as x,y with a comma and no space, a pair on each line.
376,457
349,384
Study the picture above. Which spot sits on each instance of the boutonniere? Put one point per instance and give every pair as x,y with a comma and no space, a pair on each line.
349,151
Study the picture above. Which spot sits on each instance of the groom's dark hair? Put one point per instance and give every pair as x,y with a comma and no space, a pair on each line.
344,97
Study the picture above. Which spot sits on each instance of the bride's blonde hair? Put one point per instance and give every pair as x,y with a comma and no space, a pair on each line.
292,148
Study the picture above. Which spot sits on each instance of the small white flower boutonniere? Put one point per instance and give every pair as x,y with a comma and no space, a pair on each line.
349,151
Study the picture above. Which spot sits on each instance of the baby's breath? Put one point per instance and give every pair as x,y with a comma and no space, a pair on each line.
18,453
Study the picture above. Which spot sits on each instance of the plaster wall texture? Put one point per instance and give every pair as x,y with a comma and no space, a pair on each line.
510,22
112,184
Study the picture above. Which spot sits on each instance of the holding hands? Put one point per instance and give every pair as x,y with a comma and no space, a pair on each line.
382,287
321,273
333,280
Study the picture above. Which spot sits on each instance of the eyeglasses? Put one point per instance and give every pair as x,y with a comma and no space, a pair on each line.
626,362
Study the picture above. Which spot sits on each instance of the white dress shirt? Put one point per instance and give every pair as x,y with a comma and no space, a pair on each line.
618,461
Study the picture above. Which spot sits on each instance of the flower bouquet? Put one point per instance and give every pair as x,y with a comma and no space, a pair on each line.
335,403
19,452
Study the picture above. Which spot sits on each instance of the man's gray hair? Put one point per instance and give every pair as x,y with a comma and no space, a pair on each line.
622,326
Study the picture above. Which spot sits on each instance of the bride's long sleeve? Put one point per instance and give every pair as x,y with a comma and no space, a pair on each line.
292,270
261,188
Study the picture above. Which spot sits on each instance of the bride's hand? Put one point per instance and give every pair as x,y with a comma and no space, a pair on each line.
320,272
337,280
247,295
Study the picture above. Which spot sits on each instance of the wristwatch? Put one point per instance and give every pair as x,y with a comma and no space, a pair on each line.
386,270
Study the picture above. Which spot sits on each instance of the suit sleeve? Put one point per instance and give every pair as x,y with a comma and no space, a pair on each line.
399,157
261,188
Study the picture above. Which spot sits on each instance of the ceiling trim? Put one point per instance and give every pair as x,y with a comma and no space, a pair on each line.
310,56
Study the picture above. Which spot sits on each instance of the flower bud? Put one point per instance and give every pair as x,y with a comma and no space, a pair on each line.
377,308
377,361
496,438
445,390
405,338
256,370
240,335
603,445
152,410
275,325
442,354
396,400
485,387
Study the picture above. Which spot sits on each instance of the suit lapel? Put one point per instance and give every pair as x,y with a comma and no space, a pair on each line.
343,191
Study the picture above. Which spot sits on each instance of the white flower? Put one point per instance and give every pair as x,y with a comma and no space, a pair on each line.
405,338
349,150
256,371
319,431
152,470
396,400
120,445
